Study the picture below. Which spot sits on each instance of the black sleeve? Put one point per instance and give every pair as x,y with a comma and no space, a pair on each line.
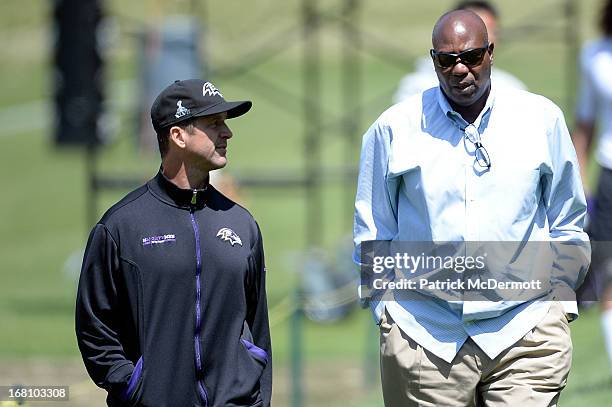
257,315
97,314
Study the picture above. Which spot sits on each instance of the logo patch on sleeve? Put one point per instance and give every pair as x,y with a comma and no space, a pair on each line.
229,235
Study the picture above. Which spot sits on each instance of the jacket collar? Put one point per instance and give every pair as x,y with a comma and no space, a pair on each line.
171,194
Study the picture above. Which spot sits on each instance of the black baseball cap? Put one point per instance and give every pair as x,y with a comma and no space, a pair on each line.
189,98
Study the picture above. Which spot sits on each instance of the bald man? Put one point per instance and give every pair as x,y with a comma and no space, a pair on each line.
424,77
494,169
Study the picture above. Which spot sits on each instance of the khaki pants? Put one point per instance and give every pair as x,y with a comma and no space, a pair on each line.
531,373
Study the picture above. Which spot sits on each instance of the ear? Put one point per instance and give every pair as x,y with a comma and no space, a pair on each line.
178,136
491,47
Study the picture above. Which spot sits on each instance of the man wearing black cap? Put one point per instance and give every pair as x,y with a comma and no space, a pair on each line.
171,307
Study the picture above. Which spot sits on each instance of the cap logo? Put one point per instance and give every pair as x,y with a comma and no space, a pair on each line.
180,111
210,90
229,235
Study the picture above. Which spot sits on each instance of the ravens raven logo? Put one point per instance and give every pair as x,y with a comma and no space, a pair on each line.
229,235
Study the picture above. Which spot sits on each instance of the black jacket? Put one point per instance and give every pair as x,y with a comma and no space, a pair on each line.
171,306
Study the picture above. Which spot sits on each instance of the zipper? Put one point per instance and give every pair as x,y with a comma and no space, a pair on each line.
198,320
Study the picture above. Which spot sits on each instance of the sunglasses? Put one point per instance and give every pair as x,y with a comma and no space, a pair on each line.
471,57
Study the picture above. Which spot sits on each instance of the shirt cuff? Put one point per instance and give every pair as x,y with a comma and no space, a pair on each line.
570,308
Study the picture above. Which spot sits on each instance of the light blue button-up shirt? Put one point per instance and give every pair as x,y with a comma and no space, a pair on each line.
418,181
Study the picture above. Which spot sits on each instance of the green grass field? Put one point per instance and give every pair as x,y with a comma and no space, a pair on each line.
43,218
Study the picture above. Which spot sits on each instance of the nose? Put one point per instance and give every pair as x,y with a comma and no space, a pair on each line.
460,69
226,132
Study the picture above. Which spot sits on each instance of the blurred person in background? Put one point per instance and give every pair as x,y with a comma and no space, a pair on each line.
425,76
171,306
470,162
227,185
594,112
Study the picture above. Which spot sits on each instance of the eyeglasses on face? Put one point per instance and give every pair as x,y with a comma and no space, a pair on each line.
470,57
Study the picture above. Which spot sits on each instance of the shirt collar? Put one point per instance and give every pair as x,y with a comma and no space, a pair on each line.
458,120
168,192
